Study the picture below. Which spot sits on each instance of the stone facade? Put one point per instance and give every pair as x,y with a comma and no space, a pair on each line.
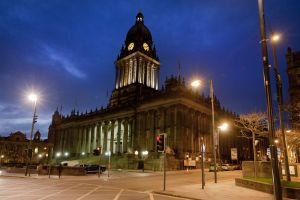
293,70
138,111
13,149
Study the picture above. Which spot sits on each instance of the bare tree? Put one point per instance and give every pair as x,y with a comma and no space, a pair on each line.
294,114
292,140
253,125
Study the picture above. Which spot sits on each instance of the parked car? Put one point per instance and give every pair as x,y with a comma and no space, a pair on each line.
92,168
227,167
212,167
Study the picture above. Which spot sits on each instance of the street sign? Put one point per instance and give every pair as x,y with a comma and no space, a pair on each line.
278,152
234,154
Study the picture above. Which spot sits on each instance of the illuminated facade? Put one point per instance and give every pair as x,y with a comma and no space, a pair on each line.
14,147
138,110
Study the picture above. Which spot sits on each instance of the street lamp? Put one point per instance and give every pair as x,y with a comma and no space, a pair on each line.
274,39
223,127
196,84
33,98
266,74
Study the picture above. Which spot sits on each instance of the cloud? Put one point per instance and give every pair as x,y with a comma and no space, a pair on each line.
59,60
15,118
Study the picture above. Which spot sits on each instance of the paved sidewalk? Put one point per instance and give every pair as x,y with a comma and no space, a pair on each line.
212,191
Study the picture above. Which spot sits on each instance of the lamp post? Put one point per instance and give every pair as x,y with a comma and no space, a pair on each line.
274,39
267,85
32,98
196,84
222,127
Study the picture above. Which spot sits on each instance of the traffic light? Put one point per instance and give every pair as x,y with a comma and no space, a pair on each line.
35,119
97,151
160,143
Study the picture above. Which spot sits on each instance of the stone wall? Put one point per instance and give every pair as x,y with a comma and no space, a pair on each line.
263,169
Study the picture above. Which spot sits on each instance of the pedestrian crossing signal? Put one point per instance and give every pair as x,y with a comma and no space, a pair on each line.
160,143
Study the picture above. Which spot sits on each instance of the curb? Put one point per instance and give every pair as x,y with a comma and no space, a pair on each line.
175,195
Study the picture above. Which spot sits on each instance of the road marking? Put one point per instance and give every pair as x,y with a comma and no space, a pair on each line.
50,195
31,191
118,195
88,193
151,196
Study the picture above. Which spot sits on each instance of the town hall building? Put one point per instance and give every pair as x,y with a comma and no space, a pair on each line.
139,110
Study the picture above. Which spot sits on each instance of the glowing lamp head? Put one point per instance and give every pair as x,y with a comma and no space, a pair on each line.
223,127
196,83
275,37
32,97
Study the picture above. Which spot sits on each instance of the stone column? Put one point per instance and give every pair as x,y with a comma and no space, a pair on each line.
88,139
125,139
64,140
94,134
105,136
98,134
117,77
119,135
83,133
157,78
112,130
132,132
79,141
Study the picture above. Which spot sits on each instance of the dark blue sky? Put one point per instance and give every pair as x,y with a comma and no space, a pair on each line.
65,50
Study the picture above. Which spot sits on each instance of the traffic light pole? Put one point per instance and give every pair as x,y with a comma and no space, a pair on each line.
164,170
213,129
99,169
202,162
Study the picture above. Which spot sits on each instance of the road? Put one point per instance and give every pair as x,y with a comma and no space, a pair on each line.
121,185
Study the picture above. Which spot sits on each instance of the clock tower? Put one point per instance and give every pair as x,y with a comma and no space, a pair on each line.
137,67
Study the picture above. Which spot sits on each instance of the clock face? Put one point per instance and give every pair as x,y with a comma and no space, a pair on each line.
130,46
146,47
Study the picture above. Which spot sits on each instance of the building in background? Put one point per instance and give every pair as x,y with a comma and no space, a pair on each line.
13,149
293,71
138,111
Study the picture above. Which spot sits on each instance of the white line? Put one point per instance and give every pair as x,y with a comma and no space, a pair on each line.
118,195
50,195
151,196
88,193
31,191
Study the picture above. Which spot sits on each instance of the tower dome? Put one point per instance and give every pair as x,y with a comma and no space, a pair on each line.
139,33
138,38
